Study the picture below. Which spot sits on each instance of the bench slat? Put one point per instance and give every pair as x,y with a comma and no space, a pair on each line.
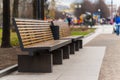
36,31
29,23
34,28
28,20
33,25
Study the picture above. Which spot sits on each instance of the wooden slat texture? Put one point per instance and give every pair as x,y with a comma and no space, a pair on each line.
31,23
29,20
33,31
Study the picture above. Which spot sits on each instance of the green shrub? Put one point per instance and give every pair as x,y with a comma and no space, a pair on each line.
81,31
13,38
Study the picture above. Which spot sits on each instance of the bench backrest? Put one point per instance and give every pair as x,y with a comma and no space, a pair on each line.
32,31
64,29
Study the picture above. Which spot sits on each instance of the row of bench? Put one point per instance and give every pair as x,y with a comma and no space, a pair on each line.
46,43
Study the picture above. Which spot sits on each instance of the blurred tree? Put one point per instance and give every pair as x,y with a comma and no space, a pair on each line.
104,10
38,9
118,10
59,15
6,24
26,8
46,9
86,6
52,9
34,9
72,6
14,11
15,8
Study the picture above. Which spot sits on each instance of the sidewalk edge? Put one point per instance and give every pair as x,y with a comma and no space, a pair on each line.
8,70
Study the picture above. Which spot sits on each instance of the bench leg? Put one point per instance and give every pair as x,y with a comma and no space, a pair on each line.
77,44
66,52
37,63
57,56
72,48
81,44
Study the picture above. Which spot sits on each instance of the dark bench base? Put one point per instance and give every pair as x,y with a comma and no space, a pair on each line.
72,48
57,56
66,52
41,63
80,44
77,45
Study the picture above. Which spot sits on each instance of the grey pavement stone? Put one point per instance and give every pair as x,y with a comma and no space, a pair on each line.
84,65
110,69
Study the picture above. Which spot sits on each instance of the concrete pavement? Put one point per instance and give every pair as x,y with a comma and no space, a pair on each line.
84,65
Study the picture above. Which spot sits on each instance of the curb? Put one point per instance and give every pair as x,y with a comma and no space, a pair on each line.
90,36
90,33
8,70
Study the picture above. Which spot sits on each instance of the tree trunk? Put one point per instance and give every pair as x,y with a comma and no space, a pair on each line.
6,24
42,9
38,9
15,8
15,12
34,9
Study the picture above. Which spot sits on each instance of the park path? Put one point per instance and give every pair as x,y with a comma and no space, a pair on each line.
110,69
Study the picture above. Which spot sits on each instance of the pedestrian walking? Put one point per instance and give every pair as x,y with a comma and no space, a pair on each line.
69,21
117,23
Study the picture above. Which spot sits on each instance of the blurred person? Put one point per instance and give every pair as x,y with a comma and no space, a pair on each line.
81,20
60,20
69,21
75,20
117,23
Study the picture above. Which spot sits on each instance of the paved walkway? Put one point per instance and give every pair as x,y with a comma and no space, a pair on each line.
85,64
110,69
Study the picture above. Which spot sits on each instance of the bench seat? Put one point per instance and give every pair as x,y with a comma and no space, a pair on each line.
74,38
48,45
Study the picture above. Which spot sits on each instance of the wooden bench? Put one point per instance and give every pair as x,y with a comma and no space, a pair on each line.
35,36
65,33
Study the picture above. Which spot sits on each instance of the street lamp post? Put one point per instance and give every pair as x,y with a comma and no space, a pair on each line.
77,6
99,10
99,13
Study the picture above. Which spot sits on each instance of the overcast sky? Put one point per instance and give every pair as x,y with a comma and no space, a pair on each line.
116,2
67,2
